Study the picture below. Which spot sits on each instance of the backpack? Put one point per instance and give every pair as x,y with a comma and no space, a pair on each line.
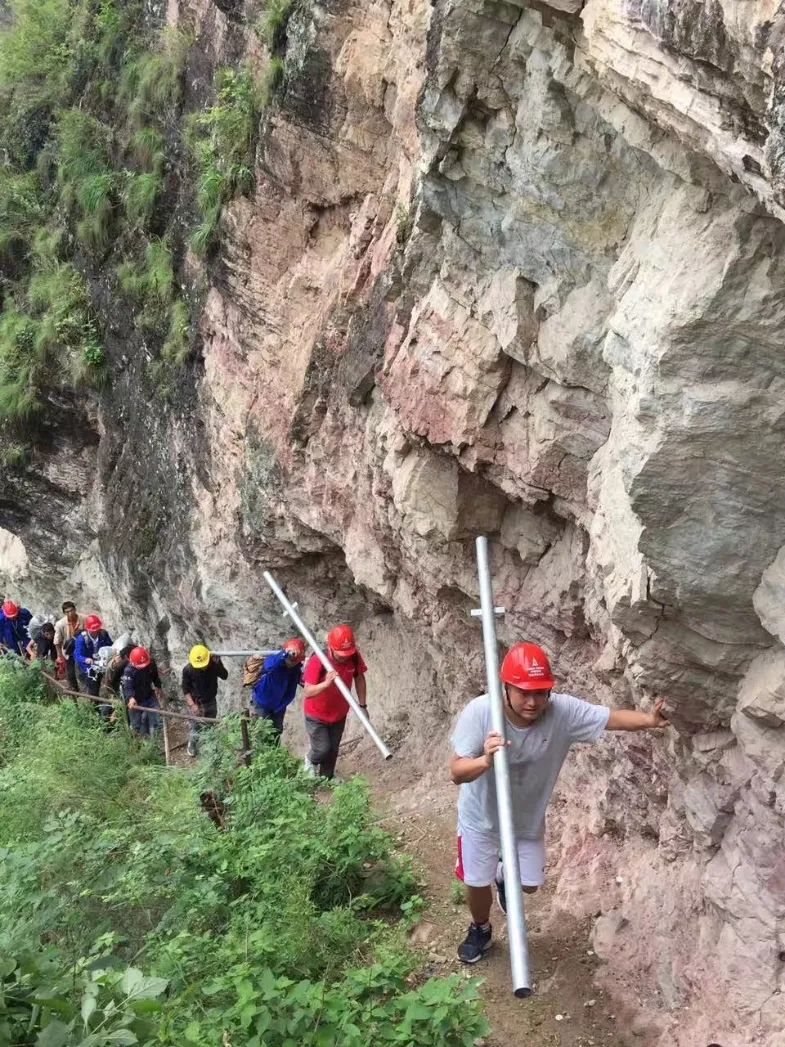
253,668
355,663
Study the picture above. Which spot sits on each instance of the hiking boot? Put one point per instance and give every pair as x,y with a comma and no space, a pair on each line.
501,893
477,942
310,769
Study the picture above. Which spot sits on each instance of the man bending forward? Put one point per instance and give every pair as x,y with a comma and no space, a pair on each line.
541,727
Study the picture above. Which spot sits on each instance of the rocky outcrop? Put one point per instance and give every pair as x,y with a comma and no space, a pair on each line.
512,268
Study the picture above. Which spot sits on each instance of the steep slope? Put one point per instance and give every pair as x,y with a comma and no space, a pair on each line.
517,269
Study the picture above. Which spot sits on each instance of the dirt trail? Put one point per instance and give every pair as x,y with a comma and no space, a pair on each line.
561,1012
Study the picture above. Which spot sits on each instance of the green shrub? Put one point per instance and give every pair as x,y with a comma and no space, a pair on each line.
272,26
48,245
149,149
85,176
140,197
34,47
273,78
178,340
153,282
90,100
222,143
44,1003
151,84
13,455
54,327
18,366
268,933
21,210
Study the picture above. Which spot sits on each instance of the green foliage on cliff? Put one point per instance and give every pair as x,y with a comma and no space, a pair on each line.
222,141
271,27
127,917
100,171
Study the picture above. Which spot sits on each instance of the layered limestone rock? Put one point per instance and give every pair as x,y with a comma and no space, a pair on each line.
512,268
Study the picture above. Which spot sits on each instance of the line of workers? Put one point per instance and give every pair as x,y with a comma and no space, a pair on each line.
80,650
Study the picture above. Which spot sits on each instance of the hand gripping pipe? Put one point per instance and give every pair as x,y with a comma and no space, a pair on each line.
307,635
516,922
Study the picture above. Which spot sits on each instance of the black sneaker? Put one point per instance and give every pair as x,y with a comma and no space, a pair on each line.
501,895
477,942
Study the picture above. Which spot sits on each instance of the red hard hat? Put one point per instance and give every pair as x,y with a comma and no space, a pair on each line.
526,666
93,623
296,646
10,609
139,658
341,640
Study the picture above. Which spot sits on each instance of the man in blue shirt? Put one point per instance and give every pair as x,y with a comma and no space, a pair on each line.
88,644
13,627
276,688
141,687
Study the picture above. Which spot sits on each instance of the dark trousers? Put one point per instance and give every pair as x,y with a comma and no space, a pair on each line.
276,719
91,686
209,709
325,739
144,724
70,671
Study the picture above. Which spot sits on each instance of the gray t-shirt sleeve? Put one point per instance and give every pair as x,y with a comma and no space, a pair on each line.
468,738
585,722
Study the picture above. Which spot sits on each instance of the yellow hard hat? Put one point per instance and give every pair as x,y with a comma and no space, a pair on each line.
199,656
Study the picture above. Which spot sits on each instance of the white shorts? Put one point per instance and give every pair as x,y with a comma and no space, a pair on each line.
478,859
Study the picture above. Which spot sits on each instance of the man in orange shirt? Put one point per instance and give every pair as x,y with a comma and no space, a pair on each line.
325,707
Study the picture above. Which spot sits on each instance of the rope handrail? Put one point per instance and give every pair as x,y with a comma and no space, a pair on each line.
65,692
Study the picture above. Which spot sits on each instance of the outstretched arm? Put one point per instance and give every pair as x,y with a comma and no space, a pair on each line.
632,720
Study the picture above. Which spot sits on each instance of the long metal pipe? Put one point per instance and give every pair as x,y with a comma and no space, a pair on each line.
243,654
309,638
516,921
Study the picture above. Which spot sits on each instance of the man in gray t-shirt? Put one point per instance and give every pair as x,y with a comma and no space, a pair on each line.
540,728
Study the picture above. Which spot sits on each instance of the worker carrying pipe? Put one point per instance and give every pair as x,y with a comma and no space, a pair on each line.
325,676
541,725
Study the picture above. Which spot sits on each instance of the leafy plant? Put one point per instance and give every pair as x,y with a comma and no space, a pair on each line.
273,78
155,279
45,1005
87,182
21,208
140,197
151,84
272,26
55,315
127,917
149,149
177,345
222,143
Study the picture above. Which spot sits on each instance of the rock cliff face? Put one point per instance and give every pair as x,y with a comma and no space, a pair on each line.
514,268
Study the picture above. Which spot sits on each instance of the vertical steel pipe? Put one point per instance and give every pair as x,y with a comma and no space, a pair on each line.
516,921
307,635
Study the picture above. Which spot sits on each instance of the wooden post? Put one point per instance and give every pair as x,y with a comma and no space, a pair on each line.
166,740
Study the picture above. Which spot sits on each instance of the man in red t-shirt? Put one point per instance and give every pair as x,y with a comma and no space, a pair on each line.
325,707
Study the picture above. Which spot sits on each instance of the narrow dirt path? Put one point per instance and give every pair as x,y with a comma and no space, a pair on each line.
566,1010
